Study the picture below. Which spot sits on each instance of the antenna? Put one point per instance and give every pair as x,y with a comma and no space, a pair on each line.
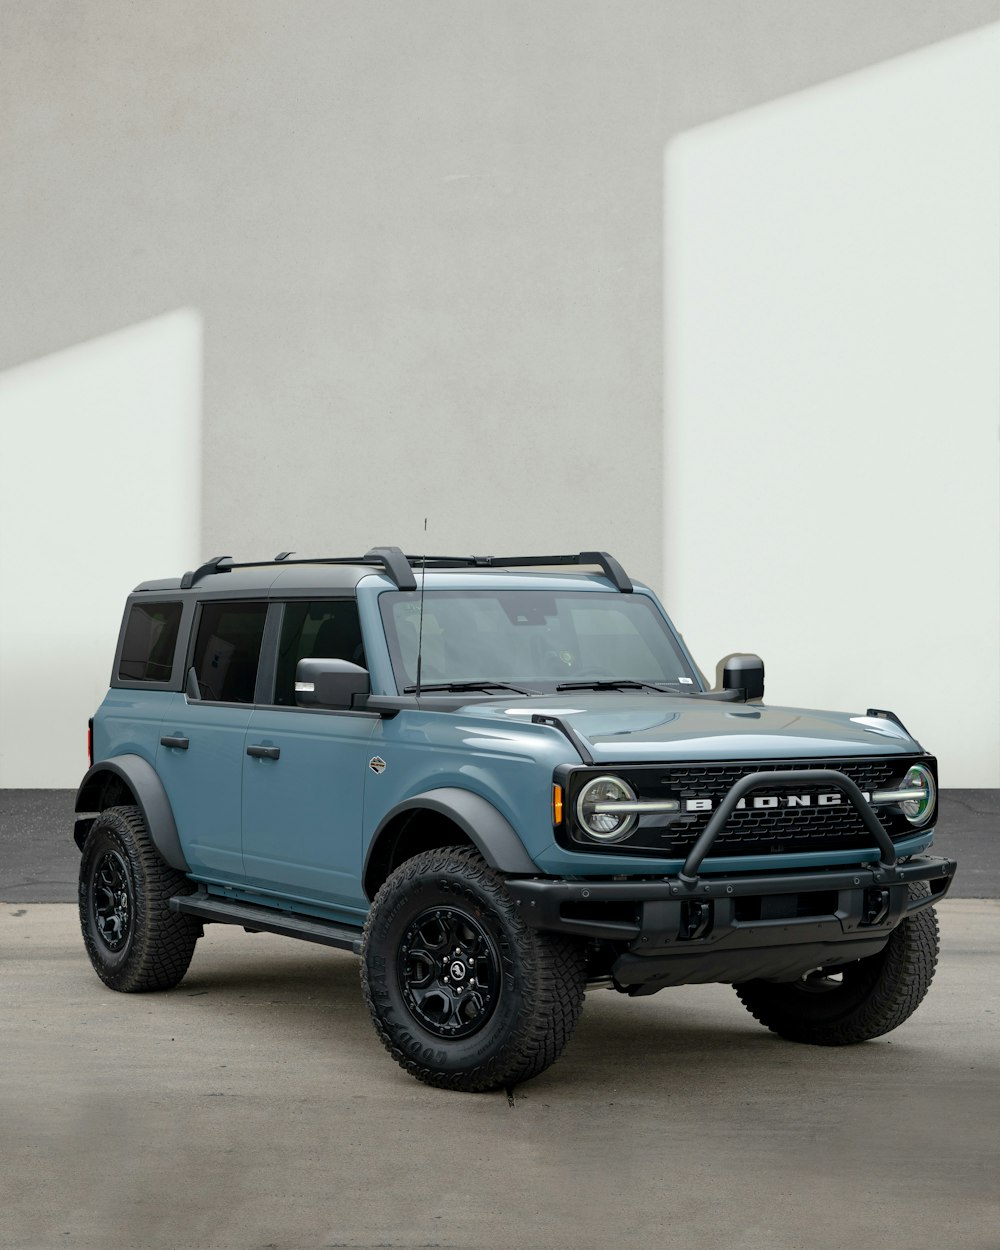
420,630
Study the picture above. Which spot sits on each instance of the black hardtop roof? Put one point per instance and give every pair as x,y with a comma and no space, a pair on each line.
343,572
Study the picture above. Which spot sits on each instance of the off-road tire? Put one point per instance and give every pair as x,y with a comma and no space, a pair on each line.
530,985
873,996
134,941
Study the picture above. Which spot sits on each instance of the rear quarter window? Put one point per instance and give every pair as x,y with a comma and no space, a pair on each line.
227,650
150,642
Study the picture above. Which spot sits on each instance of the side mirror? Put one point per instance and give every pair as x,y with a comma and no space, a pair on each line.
743,672
330,683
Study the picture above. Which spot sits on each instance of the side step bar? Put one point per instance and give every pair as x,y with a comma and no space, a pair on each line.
255,919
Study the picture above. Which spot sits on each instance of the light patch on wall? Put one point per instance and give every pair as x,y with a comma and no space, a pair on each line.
832,392
100,484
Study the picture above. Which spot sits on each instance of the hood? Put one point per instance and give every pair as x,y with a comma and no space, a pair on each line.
635,728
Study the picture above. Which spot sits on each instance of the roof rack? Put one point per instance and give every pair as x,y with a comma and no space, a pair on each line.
400,567
612,570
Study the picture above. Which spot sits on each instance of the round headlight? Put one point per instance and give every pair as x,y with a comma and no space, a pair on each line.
918,810
595,809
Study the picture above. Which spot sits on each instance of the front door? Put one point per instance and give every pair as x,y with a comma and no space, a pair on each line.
304,772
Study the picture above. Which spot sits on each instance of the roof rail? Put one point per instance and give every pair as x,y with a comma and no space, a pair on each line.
390,558
395,564
399,567
217,564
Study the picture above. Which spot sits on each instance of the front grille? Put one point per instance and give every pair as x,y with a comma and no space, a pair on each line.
750,831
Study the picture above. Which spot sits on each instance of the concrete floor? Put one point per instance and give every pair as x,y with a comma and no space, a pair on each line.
254,1107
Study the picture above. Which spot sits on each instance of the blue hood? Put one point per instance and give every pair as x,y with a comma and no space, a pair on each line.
631,727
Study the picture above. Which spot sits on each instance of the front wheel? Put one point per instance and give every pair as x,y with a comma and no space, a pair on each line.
839,1006
463,994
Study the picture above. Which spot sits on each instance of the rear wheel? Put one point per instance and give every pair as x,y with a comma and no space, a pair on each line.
134,941
463,994
849,1003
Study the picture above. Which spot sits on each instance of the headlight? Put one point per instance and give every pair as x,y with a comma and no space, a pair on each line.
917,809
595,809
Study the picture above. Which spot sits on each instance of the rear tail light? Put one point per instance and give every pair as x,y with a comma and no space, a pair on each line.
90,741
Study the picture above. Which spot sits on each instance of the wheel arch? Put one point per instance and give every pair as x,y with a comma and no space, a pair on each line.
444,817
131,778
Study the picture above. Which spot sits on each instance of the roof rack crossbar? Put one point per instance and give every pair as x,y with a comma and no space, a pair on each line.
217,564
399,567
612,570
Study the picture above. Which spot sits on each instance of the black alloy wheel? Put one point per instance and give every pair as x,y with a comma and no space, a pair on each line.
449,972
112,900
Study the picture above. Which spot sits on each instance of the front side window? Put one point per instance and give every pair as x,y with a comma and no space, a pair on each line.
328,630
150,639
541,638
227,651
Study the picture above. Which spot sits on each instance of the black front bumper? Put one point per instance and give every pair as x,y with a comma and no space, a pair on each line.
670,931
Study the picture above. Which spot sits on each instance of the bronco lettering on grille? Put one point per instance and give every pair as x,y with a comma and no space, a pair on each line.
763,801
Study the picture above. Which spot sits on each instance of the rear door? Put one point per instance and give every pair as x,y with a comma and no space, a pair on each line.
201,756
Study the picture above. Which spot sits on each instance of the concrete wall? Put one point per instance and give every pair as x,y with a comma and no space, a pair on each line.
833,388
100,482
425,242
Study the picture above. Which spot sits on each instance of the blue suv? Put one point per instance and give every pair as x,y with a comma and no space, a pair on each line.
498,781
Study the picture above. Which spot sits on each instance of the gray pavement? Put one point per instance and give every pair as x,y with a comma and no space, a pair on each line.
253,1107
39,861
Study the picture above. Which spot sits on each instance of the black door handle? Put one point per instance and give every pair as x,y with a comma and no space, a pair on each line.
180,743
265,753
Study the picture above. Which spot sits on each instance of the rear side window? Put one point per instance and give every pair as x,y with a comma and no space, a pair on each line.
227,651
150,640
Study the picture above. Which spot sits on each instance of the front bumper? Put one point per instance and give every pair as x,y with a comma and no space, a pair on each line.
776,926
681,929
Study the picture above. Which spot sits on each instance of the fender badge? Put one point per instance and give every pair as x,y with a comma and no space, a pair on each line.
377,764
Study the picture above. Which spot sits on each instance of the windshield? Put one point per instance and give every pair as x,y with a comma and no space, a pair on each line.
535,640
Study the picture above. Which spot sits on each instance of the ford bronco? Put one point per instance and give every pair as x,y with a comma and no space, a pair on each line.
498,781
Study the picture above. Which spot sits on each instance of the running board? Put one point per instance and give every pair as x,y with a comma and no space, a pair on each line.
265,919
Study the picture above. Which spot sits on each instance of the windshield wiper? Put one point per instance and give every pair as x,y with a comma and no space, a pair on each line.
613,684
458,686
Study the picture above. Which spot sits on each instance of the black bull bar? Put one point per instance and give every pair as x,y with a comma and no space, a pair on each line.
735,927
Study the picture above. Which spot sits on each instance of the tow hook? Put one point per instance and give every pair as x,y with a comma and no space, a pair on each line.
876,906
696,915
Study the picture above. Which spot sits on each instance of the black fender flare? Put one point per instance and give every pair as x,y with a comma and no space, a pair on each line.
487,829
144,782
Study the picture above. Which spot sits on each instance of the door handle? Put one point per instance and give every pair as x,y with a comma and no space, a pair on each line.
180,743
264,753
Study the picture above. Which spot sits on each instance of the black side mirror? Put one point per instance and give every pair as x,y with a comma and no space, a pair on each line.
743,672
330,683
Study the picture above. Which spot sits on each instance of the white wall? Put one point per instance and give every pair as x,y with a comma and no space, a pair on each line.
100,482
832,461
